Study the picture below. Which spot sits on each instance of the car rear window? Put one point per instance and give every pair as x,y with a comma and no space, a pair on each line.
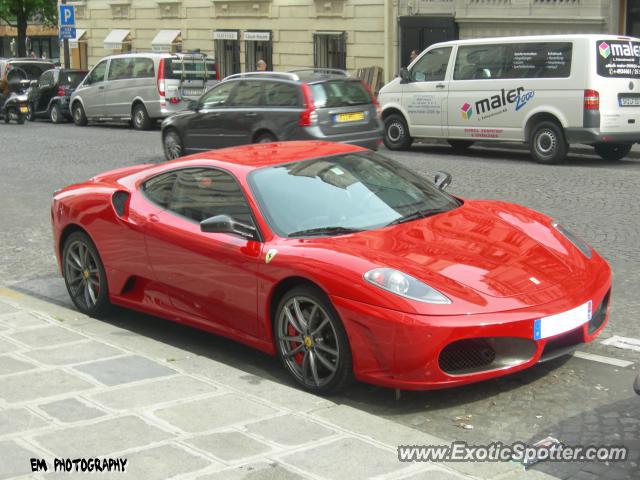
190,68
339,93
618,58
33,69
72,79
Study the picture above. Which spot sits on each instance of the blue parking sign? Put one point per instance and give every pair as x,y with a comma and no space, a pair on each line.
67,16
67,33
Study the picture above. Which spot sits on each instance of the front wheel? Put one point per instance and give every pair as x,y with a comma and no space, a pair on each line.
612,151
547,143
79,117
311,341
172,144
396,133
84,275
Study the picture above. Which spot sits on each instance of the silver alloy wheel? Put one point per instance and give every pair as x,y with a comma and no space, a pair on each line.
395,131
54,114
172,146
82,274
139,118
308,341
546,141
77,115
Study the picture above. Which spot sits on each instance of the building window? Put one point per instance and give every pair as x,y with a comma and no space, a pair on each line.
330,50
46,47
257,46
227,48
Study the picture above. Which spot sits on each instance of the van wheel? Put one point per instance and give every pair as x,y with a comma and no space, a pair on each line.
55,114
612,151
141,120
548,144
396,133
79,117
460,145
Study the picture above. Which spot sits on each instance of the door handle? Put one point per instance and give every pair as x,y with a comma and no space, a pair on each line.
250,114
153,218
440,85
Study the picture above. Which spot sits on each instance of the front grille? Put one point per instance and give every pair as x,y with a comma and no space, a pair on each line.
562,345
597,319
466,355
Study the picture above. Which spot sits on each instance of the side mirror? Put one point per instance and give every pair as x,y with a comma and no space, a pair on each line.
442,180
226,224
193,105
405,76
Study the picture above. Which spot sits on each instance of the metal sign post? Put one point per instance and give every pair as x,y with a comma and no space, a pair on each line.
66,23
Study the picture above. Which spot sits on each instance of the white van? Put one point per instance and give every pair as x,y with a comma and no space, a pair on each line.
547,91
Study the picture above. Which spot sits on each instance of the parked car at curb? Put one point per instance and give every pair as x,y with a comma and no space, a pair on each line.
339,261
141,88
31,68
50,96
258,107
548,91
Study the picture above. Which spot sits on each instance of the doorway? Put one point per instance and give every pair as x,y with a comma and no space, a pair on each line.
419,32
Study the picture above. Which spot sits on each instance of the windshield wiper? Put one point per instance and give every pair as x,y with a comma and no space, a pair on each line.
417,215
324,231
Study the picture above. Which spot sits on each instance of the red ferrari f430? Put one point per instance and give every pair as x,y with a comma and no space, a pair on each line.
341,262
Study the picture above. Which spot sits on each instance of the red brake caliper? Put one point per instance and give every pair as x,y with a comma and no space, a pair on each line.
293,333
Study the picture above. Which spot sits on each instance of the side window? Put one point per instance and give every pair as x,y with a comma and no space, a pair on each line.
46,80
158,189
201,193
97,74
248,94
143,68
121,69
481,62
218,96
432,66
280,94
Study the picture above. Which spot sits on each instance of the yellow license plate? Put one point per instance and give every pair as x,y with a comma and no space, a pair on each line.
24,110
349,117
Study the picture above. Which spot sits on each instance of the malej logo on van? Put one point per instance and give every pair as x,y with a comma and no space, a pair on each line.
496,104
604,49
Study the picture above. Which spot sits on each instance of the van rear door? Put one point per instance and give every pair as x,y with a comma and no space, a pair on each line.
618,84
189,75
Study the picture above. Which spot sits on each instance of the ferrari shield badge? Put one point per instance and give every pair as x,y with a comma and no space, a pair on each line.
270,254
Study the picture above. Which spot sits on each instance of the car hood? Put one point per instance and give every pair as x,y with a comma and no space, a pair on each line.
496,249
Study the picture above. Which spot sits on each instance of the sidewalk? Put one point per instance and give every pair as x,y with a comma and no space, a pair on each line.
76,387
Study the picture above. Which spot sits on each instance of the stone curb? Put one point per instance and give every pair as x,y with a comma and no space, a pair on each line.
348,423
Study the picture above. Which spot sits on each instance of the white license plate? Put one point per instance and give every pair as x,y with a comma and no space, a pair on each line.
562,322
630,101
191,92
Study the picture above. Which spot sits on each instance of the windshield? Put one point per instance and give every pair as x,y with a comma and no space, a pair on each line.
339,93
344,193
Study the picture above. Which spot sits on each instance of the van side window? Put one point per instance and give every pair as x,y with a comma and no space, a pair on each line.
481,62
97,74
121,69
432,66
143,68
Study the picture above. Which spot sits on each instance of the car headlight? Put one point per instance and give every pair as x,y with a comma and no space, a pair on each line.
573,238
404,285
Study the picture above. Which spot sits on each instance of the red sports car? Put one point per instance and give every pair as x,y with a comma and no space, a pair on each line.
340,261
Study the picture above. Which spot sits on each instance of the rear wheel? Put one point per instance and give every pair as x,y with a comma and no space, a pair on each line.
20,117
84,275
55,114
612,151
311,341
172,144
265,138
396,133
547,143
79,117
141,120
460,145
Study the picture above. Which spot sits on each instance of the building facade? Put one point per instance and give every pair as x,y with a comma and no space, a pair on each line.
349,34
42,40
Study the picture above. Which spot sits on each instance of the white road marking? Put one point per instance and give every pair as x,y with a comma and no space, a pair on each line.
626,343
599,358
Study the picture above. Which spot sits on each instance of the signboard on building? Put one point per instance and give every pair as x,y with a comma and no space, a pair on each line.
225,35
257,36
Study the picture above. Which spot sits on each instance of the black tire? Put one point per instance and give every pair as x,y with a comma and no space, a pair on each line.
172,145
92,270
547,143
460,145
396,133
79,117
7,118
333,336
31,116
55,114
140,118
21,118
612,151
265,138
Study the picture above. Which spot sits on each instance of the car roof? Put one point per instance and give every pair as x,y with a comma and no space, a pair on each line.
259,155
535,38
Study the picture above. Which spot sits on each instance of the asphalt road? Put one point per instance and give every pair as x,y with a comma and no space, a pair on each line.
576,400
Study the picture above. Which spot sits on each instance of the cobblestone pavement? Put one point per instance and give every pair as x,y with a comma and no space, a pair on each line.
593,197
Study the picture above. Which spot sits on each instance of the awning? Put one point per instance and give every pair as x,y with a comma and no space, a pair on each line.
116,38
73,42
164,39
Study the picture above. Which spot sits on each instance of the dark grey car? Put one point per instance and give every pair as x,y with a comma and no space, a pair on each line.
274,106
